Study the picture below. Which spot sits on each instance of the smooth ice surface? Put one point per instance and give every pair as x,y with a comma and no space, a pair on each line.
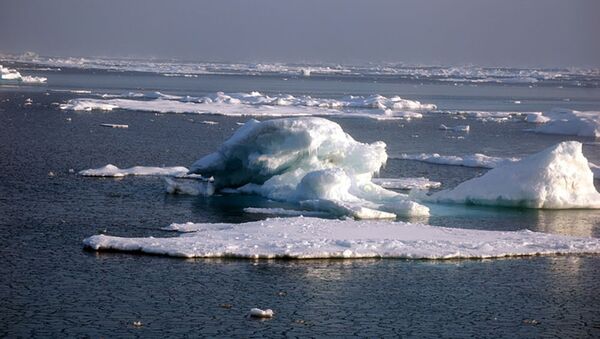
558,177
406,183
257,104
113,171
569,122
471,160
305,238
308,161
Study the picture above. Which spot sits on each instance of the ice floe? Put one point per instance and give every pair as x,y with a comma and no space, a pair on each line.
13,74
258,104
569,122
579,77
558,177
285,212
308,161
113,171
458,128
471,160
407,183
305,238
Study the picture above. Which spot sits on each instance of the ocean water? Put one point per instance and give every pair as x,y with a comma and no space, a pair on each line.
50,286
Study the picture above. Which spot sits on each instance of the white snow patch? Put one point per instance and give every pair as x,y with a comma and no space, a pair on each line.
305,238
558,177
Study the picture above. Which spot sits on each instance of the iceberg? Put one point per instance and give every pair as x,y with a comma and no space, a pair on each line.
558,177
310,238
308,161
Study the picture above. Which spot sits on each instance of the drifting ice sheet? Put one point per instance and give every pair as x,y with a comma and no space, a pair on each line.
406,183
113,171
473,160
568,122
556,178
305,238
257,104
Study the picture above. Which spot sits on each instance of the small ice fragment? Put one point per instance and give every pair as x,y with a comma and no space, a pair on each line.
517,102
459,128
209,122
137,324
114,125
258,313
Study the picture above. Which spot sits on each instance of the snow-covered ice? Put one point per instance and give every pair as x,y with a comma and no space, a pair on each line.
113,171
406,183
558,177
13,74
285,212
569,122
472,160
258,104
305,238
308,161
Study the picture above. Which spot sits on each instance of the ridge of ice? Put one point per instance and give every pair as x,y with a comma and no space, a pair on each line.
558,177
307,238
308,161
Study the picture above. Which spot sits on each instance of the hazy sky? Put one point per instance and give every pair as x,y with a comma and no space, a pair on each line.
484,32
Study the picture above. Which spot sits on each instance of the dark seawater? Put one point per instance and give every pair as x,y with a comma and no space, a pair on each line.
51,287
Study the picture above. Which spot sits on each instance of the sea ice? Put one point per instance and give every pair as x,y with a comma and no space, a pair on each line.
13,74
459,128
113,171
305,238
569,122
308,161
558,177
258,104
472,160
406,183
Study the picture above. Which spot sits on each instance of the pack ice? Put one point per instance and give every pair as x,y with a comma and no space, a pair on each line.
558,177
12,74
308,161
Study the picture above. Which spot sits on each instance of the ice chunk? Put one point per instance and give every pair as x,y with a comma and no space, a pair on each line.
569,122
113,171
114,125
189,186
258,313
305,238
308,161
459,128
556,178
